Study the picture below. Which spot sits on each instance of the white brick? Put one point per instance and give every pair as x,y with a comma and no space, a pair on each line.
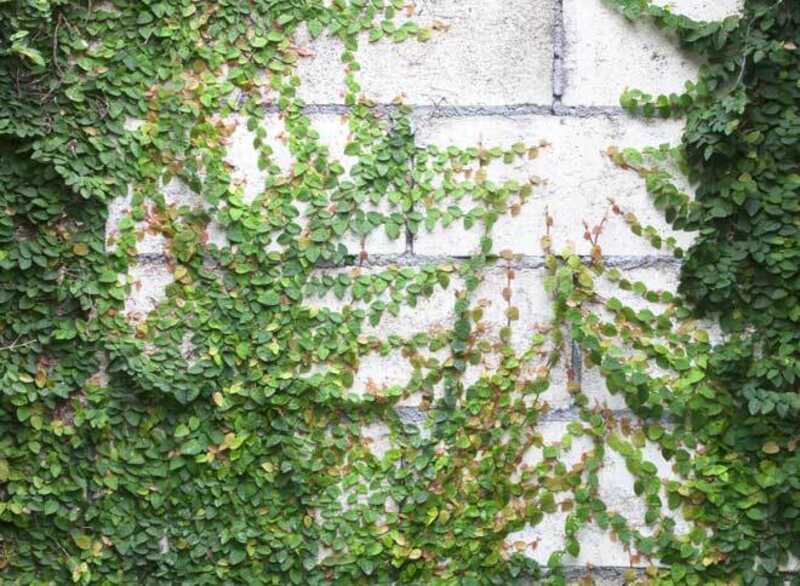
598,547
656,278
243,155
334,134
578,180
553,434
616,488
430,314
793,565
149,283
437,312
376,373
149,240
377,436
559,397
607,53
527,295
132,124
495,52
659,278
704,9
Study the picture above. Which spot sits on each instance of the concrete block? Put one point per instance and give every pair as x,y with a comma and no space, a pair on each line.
556,433
657,278
793,565
574,179
605,53
243,155
527,295
149,240
377,437
132,124
594,386
598,547
616,489
660,277
431,314
334,133
493,52
559,398
376,373
437,312
704,9
149,282
539,542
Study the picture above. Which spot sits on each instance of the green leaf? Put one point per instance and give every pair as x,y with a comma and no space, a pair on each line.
269,298
82,540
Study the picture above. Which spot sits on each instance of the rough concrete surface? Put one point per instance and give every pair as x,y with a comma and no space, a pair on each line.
489,52
605,54
574,179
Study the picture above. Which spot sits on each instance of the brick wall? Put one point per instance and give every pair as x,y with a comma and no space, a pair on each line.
505,71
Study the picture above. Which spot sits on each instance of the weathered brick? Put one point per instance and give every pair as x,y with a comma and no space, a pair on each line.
575,179
495,52
334,134
598,547
605,53
149,282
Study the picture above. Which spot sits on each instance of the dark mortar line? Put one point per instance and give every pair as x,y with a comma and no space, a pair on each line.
523,261
615,573
443,111
576,362
409,240
418,415
558,78
151,258
589,111
573,414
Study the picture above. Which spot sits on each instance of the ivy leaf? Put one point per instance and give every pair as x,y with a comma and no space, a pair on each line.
82,540
269,298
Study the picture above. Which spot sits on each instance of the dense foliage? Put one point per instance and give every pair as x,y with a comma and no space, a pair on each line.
742,147
219,440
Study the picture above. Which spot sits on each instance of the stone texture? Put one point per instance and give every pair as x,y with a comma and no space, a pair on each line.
243,156
149,282
704,9
493,52
378,439
575,179
437,311
605,53
598,547
149,240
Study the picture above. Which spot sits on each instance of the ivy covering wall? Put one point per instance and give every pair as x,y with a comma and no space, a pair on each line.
217,440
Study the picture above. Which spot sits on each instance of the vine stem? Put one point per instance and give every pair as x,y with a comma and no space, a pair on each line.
14,345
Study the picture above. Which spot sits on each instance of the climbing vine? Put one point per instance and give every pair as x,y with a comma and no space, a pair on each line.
220,438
